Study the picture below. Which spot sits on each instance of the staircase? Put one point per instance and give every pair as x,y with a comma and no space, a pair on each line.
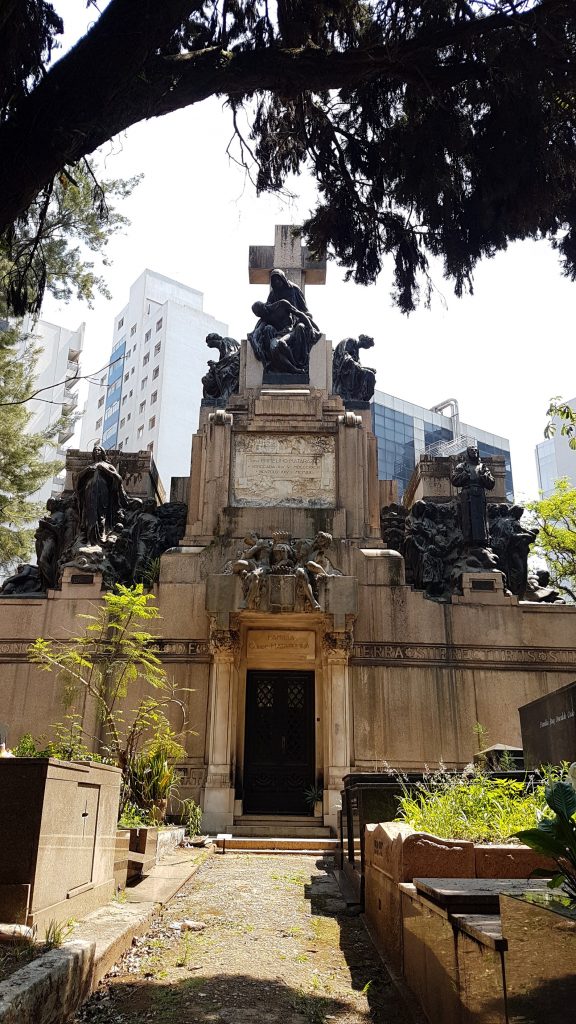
254,833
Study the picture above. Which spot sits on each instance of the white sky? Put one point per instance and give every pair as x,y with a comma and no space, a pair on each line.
502,352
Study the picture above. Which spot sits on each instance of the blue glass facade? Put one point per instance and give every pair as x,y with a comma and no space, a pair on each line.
113,395
404,431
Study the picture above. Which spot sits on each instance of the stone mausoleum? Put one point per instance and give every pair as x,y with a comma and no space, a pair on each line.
320,635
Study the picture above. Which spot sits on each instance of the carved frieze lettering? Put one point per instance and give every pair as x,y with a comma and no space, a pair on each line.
377,653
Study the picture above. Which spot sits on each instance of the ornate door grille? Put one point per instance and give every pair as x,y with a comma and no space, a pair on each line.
279,749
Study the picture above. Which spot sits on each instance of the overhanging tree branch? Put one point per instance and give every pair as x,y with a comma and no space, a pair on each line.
115,77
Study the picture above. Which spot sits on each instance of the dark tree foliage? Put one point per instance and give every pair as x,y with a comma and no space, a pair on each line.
438,128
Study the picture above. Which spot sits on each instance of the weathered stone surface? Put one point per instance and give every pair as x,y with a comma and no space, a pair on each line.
51,988
508,861
295,471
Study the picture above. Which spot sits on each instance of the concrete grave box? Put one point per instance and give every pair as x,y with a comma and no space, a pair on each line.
396,854
58,823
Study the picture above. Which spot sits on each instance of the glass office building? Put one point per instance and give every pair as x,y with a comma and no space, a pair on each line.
404,431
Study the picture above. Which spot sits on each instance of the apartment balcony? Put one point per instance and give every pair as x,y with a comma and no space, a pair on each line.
74,354
66,433
69,401
72,373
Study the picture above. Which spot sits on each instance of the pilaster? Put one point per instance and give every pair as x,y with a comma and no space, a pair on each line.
219,788
337,647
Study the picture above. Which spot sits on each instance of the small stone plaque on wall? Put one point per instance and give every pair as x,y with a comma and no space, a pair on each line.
270,469
291,646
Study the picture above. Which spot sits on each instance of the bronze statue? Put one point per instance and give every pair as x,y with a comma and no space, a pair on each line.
26,580
283,337
475,479
222,378
285,332
351,380
511,542
102,500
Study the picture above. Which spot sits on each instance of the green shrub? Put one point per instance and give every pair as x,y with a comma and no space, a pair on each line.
477,808
191,817
134,817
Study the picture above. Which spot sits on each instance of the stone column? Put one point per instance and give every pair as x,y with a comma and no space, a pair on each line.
336,648
219,789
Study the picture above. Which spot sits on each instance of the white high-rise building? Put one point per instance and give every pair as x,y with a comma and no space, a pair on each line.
149,398
555,459
57,365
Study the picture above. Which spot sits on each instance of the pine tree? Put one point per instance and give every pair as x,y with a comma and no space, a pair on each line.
23,468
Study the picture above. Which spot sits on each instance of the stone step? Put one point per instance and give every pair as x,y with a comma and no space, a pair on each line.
280,819
275,844
312,833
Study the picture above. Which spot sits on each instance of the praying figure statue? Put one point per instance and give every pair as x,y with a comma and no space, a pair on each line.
351,380
222,377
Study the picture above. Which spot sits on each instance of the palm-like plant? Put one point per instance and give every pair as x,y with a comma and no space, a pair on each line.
556,837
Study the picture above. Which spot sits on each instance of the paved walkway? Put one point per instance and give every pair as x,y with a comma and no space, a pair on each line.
277,947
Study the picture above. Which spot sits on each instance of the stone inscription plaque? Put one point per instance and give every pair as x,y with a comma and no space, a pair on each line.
287,645
549,728
284,470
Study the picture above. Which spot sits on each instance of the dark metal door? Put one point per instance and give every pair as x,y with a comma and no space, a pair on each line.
279,758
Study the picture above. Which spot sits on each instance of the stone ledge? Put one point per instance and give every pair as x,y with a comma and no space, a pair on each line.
51,988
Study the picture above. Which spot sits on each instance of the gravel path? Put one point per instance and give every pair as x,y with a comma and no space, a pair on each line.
277,946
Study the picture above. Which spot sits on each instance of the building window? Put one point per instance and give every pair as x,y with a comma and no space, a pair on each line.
157,348
142,406
148,335
122,422
103,380
143,383
159,324
98,423
140,431
153,397
129,416
124,399
151,446
130,393
146,359
132,370
120,446
126,376
121,322
156,372
101,402
133,330
151,423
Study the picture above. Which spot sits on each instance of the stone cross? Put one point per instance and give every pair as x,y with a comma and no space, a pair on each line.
287,254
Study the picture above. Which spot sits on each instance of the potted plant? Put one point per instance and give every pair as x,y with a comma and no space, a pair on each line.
314,796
